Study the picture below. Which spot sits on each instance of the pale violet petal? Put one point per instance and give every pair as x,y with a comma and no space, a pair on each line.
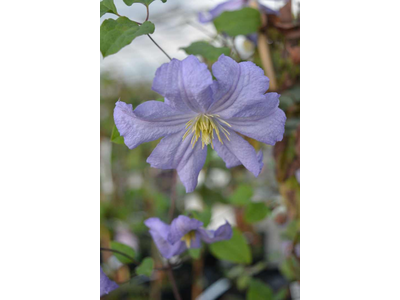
235,150
157,225
186,84
159,231
266,105
220,8
148,122
224,232
181,226
238,86
268,130
106,284
196,242
174,153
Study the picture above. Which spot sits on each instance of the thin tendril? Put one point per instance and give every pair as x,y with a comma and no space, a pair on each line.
148,13
119,252
159,47
173,283
147,17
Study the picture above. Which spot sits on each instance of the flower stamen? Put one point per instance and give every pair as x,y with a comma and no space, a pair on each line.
204,126
188,238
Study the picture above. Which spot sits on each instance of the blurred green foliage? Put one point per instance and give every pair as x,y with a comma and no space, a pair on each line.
124,249
239,22
116,34
209,52
146,267
234,250
258,291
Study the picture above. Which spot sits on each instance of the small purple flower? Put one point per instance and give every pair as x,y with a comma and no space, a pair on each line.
184,233
106,285
198,111
220,8
205,17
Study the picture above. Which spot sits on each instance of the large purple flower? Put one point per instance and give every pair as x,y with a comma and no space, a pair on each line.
198,111
106,285
205,17
183,233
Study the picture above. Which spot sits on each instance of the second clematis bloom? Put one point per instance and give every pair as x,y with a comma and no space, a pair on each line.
230,5
198,111
106,284
184,233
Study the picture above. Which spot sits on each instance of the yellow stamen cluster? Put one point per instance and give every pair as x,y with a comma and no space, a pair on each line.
204,125
188,237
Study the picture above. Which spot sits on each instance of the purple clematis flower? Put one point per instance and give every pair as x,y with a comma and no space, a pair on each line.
106,285
184,233
198,111
220,8
205,17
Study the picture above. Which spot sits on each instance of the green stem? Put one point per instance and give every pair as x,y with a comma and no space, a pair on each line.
173,196
121,253
173,283
148,13
159,47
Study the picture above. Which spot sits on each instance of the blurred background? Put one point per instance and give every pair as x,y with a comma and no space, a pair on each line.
265,210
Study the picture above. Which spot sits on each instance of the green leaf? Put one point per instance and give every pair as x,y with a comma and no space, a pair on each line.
207,51
195,253
288,268
116,34
242,195
281,294
292,229
236,271
107,6
234,250
144,2
243,282
146,267
256,212
238,22
259,291
116,137
203,216
124,249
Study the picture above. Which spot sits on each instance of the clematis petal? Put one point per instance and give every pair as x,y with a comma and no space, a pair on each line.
186,84
224,232
268,130
159,226
238,86
260,156
196,243
237,149
219,9
159,231
173,153
148,122
106,284
166,249
181,226
268,103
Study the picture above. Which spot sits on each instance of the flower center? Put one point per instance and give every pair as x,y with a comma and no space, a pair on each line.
204,126
188,237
